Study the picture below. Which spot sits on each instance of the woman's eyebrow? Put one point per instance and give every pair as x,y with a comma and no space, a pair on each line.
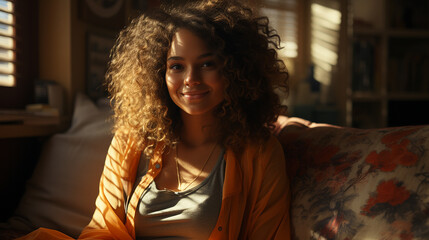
174,58
209,54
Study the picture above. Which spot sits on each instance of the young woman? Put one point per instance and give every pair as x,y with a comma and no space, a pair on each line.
192,87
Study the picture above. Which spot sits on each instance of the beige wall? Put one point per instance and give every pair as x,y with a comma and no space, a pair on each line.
62,45
54,43
78,48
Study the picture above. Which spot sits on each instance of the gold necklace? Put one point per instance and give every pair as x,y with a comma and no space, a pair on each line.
179,177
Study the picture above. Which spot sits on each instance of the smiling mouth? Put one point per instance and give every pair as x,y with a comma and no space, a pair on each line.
194,95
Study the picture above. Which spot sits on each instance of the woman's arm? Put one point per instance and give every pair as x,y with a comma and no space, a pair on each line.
270,215
109,216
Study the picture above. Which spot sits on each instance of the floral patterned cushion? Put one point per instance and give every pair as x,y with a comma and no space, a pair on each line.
357,184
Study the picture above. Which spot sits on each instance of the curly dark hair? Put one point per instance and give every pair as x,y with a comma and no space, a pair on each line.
243,41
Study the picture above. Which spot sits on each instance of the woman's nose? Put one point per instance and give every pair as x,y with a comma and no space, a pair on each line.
192,77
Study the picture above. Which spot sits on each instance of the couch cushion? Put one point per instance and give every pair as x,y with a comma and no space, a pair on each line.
62,191
357,184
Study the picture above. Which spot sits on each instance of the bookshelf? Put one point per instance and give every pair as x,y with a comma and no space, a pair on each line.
388,63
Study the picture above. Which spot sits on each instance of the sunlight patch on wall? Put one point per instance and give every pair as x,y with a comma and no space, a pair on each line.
325,26
7,80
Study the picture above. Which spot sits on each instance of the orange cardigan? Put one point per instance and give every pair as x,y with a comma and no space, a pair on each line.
255,198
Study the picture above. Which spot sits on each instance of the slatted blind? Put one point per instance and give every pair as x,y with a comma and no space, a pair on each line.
7,44
283,18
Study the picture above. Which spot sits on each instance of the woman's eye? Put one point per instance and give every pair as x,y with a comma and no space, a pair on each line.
208,64
176,67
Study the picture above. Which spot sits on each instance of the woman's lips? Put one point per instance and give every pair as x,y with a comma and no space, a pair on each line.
194,94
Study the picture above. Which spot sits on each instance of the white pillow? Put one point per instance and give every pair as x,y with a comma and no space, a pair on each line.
62,191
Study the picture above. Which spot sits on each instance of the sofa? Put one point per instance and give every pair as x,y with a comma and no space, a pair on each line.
346,183
350,183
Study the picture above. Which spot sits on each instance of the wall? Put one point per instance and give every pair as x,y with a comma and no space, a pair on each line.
62,45
55,44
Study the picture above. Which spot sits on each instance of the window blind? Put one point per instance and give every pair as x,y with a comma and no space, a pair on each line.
7,44
283,17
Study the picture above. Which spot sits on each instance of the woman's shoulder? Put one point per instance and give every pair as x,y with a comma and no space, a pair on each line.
120,141
262,151
260,159
265,146
272,150
122,144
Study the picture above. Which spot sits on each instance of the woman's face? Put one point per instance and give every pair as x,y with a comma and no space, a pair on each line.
193,75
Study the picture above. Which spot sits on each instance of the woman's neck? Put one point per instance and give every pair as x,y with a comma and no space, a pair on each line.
198,130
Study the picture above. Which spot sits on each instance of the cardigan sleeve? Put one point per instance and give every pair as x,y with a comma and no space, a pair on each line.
270,214
109,216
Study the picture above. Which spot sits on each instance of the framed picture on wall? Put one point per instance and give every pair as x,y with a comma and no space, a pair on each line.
145,5
104,13
98,48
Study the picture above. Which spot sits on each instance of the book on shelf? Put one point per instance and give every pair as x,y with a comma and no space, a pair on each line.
409,73
363,65
406,14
